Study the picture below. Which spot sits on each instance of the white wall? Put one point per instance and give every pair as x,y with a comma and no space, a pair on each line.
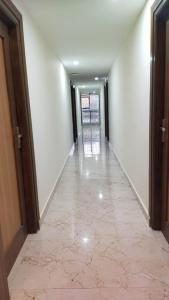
129,94
49,89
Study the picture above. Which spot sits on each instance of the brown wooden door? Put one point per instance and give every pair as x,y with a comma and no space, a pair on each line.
165,142
11,211
4,292
106,110
74,115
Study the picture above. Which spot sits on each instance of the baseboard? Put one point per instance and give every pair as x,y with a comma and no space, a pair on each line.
45,209
142,206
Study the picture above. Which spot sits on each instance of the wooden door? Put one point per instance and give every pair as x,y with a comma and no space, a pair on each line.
165,143
4,292
74,114
11,211
106,110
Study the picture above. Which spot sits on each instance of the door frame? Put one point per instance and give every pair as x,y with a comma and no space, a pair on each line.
4,291
12,18
106,109
159,13
74,113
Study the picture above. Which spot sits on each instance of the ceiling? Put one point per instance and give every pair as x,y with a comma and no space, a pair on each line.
89,86
88,31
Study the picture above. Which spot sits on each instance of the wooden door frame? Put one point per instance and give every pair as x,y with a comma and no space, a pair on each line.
13,20
4,291
160,13
74,112
106,110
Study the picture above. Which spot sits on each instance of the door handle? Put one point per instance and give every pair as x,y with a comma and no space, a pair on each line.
19,137
163,129
163,134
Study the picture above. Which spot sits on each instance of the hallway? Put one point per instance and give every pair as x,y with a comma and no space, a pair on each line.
94,243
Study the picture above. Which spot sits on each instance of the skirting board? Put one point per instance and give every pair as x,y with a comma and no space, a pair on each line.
44,211
143,208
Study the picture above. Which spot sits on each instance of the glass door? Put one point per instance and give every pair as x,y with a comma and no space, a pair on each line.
90,109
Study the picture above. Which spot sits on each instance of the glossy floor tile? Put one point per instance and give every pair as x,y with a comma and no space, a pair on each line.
94,243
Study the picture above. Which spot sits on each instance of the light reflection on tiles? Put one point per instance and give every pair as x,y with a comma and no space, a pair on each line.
91,139
94,243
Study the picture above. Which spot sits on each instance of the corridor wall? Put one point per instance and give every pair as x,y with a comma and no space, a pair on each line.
129,94
50,100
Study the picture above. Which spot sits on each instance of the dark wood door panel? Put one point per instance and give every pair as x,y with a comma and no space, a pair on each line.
165,141
4,293
27,220
74,114
106,110
12,224
159,119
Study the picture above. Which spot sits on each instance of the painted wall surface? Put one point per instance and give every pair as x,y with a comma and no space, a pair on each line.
50,100
129,102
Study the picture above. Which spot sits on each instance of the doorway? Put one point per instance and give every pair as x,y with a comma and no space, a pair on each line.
90,108
159,119
19,214
74,114
12,212
106,109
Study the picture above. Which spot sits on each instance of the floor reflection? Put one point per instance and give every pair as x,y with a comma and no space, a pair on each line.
94,242
91,140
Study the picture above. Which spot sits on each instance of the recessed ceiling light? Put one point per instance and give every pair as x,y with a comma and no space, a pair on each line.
100,196
76,62
85,240
96,78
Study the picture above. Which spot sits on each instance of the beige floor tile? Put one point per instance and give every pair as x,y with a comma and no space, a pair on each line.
94,243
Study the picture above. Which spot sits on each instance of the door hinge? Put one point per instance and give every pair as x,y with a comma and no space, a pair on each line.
163,131
18,138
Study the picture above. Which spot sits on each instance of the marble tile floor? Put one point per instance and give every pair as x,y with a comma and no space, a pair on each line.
94,243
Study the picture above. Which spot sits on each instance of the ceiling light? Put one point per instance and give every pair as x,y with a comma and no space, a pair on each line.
85,240
96,78
100,196
76,62
94,92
